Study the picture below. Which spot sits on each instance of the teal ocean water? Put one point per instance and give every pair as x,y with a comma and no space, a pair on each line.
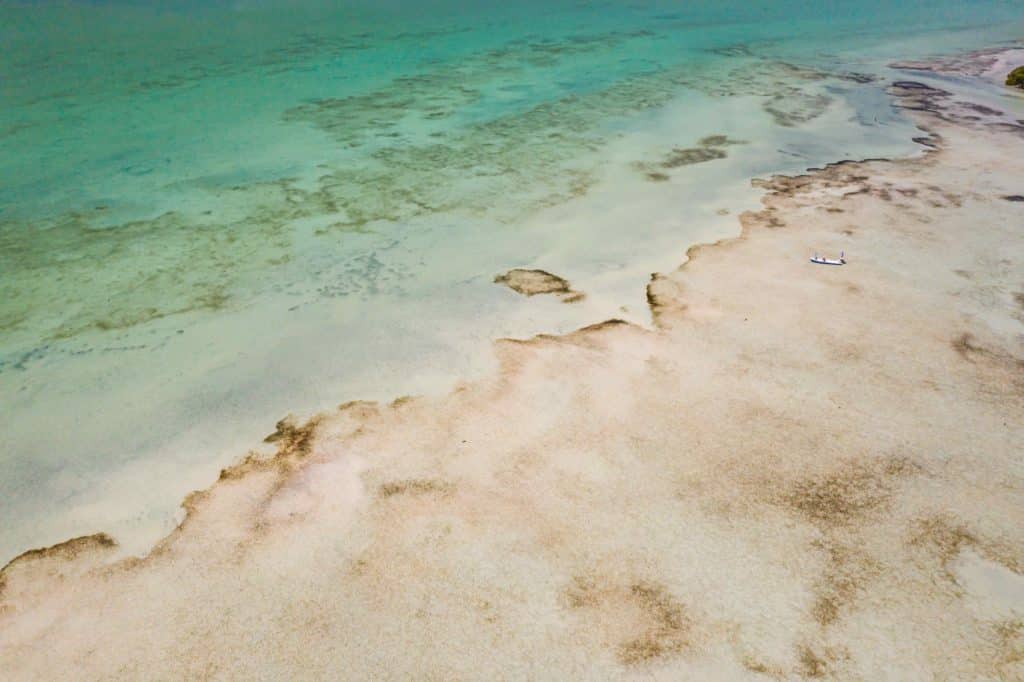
214,213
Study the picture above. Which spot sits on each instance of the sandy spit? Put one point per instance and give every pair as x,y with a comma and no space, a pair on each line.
798,471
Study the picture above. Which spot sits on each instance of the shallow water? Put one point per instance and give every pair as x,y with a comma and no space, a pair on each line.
212,214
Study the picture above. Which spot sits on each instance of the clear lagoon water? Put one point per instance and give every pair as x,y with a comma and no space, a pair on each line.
213,214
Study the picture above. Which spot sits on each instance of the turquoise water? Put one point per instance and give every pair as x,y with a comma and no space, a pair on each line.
214,213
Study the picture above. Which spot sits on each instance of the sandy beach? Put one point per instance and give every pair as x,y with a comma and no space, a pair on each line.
796,471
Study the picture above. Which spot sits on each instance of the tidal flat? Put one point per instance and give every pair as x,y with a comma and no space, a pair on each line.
215,214
785,471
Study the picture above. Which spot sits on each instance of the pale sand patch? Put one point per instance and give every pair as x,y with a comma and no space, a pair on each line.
802,471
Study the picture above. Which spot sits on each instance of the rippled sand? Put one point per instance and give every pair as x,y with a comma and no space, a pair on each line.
798,471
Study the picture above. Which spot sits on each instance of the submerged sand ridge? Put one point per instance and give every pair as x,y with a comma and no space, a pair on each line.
800,471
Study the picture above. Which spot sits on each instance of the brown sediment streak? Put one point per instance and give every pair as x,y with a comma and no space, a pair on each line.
68,550
783,478
665,299
56,561
580,337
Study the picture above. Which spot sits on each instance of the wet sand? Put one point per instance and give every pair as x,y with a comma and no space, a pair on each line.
797,471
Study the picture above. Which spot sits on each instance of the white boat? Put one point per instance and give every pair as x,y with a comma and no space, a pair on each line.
821,260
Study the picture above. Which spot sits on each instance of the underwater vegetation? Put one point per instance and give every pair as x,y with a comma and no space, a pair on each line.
1016,78
86,272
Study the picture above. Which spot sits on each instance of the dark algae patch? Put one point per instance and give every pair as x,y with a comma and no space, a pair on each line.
848,494
1015,78
710,148
669,625
640,621
414,487
847,573
811,664
538,282
292,439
